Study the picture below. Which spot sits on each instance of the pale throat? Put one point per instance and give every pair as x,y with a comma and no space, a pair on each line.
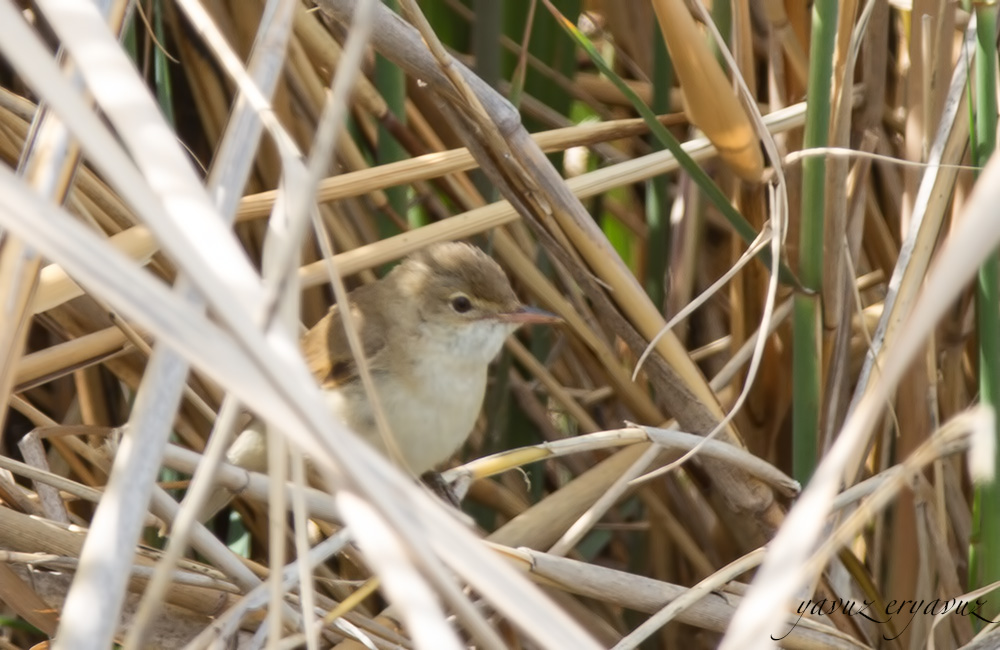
476,342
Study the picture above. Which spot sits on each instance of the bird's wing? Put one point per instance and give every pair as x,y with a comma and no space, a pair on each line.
328,335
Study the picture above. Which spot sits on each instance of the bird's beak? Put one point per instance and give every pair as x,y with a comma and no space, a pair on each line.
525,315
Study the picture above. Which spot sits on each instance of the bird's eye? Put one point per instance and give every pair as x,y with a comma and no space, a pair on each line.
461,303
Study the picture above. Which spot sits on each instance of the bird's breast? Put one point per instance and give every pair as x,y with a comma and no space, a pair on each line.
431,412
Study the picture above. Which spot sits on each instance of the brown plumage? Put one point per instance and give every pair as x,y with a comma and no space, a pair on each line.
456,268
429,330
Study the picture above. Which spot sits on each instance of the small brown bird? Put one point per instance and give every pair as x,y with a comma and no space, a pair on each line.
429,330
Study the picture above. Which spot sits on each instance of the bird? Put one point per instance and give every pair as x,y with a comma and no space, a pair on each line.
429,330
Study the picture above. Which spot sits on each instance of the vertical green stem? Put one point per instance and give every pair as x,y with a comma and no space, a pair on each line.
391,83
161,67
722,16
658,199
806,366
985,564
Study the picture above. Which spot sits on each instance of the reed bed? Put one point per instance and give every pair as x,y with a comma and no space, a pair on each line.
767,417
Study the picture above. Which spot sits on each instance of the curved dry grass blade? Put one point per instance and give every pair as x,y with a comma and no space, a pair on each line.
228,622
136,465
55,285
530,169
138,296
929,210
181,529
32,535
702,298
25,602
138,242
975,237
709,100
43,476
743,156
647,595
49,161
599,508
287,395
668,439
434,165
166,172
252,485
688,599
